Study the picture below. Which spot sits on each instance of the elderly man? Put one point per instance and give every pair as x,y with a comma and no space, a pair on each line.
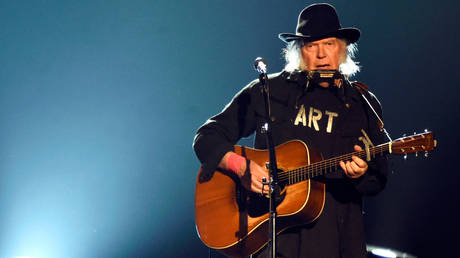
328,116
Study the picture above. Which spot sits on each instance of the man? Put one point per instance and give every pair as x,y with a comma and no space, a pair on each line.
329,117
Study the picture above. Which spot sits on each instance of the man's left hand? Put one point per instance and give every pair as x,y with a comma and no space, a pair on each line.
356,167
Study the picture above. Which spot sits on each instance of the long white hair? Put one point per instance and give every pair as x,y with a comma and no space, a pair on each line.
293,56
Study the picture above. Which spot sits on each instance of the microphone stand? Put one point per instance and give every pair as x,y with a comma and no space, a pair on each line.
272,165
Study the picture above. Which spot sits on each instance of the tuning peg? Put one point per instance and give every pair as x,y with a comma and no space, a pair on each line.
426,131
416,154
404,135
426,154
415,133
405,156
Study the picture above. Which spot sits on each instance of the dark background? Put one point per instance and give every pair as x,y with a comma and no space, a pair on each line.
100,100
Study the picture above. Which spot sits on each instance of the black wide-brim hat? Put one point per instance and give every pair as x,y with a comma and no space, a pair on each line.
319,21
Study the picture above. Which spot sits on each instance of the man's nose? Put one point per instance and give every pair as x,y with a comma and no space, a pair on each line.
321,53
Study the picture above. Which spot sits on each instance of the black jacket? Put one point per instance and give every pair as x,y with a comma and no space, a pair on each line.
328,121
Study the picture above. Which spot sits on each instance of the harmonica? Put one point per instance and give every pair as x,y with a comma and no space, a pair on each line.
333,77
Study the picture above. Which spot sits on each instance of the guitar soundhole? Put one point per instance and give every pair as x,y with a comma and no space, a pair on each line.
253,203
259,205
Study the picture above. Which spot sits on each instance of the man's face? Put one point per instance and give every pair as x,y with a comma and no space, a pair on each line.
324,54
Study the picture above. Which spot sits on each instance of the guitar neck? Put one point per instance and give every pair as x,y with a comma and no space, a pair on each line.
329,165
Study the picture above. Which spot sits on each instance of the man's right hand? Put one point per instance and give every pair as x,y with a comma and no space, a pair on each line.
250,178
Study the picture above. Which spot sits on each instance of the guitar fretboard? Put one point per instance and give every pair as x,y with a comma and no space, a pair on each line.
327,166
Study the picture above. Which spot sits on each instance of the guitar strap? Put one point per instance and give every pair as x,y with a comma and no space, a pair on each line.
363,90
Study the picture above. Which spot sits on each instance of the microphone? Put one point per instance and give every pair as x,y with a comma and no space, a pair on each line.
260,65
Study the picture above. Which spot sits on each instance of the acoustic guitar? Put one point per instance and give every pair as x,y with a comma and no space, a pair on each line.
234,221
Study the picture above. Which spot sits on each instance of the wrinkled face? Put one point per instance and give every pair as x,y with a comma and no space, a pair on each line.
324,54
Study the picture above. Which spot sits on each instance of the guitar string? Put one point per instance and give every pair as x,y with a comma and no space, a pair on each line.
318,168
315,167
325,166
300,174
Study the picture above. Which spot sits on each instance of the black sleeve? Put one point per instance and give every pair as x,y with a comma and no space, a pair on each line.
221,132
374,180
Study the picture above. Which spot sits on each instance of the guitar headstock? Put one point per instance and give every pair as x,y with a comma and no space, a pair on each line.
421,142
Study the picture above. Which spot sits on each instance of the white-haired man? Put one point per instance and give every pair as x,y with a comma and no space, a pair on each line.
326,115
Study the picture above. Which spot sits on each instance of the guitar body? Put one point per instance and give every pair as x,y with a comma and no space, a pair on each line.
235,221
